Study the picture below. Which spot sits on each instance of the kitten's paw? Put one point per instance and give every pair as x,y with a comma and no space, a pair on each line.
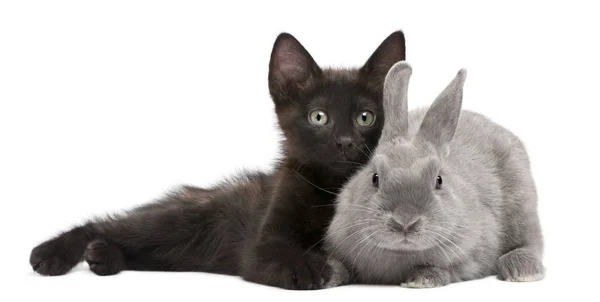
520,265
312,271
55,257
294,269
428,277
104,257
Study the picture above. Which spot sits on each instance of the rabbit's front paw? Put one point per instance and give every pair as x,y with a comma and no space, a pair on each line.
520,265
339,276
428,277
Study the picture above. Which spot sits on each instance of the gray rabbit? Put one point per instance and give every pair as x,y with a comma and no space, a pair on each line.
447,196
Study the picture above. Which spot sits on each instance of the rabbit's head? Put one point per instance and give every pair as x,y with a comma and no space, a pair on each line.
403,200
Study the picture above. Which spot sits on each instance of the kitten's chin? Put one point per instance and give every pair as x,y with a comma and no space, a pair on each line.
342,167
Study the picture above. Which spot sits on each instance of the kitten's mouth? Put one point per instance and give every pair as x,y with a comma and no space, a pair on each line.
351,157
348,160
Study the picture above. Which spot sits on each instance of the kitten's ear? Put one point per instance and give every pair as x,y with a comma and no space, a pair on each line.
395,102
291,69
441,120
391,51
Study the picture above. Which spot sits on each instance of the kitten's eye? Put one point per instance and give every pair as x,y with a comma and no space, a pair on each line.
438,184
376,180
318,117
365,118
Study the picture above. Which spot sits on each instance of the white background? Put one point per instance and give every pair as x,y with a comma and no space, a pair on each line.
106,104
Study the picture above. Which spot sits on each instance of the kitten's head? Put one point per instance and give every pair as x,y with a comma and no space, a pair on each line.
330,117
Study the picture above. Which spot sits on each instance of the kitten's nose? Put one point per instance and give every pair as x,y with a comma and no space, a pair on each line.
404,228
344,143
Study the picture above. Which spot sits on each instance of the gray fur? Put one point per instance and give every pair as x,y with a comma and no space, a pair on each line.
483,221
395,94
339,275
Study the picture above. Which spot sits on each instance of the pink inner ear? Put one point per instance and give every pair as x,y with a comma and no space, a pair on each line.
290,63
290,71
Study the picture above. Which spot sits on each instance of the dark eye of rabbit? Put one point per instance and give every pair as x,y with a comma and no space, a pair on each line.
375,180
438,184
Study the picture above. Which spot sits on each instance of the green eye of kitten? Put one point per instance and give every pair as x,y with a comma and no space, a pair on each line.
365,118
318,117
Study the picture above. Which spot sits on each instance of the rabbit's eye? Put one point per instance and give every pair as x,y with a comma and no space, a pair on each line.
375,180
438,184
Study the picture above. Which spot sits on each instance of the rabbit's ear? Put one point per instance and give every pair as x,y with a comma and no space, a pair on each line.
395,107
441,120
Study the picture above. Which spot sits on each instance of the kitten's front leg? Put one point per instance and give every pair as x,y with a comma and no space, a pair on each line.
135,241
428,277
285,252
59,255
282,265
104,257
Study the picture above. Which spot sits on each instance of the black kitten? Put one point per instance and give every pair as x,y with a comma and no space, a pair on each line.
266,228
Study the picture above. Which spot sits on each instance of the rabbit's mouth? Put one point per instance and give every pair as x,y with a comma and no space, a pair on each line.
399,243
404,248
406,245
405,241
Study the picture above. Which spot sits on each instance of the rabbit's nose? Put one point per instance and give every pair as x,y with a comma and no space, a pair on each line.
404,228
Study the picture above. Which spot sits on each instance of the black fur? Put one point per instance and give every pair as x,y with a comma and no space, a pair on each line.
259,226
